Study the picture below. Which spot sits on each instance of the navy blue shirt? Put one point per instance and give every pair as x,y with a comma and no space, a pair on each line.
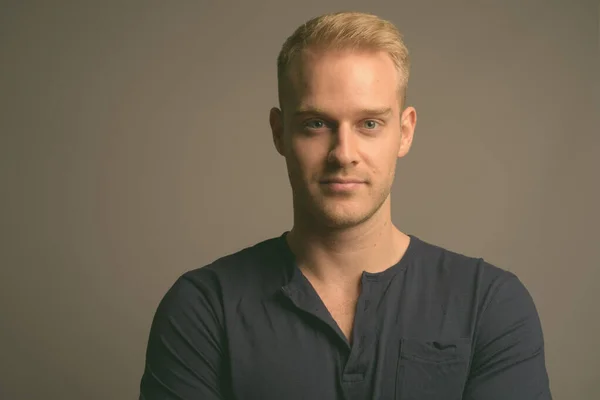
436,325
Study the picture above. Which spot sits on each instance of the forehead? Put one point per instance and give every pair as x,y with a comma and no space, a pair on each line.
342,80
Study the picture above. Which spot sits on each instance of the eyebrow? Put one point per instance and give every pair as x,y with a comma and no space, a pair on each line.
379,112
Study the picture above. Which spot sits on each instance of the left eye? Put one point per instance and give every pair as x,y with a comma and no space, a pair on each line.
370,124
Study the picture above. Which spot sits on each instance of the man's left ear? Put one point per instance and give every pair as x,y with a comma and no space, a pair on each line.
408,122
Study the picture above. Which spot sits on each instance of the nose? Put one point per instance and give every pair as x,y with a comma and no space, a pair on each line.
344,147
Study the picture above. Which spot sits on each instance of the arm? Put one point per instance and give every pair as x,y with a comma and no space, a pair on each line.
509,360
184,357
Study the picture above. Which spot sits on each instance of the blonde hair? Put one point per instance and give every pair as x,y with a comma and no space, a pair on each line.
346,31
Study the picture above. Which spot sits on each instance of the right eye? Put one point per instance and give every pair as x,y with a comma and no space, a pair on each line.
315,124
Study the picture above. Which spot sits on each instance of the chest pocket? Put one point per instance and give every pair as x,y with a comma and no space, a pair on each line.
432,370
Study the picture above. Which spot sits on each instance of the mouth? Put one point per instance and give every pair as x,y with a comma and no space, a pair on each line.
342,185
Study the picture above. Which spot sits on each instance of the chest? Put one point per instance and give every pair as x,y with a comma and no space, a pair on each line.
293,350
340,302
342,310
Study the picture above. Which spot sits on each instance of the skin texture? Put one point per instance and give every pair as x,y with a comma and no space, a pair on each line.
342,117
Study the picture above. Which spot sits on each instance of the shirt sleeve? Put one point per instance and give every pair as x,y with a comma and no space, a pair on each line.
509,360
184,356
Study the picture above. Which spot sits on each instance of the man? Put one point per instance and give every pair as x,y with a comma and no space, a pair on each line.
345,305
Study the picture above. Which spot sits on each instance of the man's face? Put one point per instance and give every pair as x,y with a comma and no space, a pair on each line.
342,122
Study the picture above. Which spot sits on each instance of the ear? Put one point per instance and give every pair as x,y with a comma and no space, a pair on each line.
276,122
408,122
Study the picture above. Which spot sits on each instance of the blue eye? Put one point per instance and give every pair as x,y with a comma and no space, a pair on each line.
370,124
315,124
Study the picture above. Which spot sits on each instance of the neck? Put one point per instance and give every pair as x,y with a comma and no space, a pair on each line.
341,255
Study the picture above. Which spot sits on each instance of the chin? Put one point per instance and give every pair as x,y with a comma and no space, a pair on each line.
340,224
337,213
335,217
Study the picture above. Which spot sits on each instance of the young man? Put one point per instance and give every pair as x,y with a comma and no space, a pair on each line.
345,305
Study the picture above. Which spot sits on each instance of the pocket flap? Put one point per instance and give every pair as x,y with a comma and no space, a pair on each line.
437,351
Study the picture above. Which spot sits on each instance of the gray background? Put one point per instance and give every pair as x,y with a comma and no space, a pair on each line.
135,146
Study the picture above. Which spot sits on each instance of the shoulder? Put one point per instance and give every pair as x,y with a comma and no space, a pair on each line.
260,264
448,266
204,292
472,282
495,296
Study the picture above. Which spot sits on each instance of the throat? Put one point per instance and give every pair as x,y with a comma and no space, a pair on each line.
343,313
340,301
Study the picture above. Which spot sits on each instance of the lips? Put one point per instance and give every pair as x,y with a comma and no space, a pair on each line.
342,181
342,185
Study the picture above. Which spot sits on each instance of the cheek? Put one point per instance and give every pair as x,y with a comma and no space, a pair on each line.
384,169
307,156
300,170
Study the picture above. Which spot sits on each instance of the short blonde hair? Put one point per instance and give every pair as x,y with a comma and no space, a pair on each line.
346,31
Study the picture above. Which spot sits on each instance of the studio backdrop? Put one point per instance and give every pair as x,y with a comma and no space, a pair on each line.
135,146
